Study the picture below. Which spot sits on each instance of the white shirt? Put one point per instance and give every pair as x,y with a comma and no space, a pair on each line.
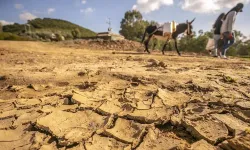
228,23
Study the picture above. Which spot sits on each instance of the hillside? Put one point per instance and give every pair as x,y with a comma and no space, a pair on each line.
48,25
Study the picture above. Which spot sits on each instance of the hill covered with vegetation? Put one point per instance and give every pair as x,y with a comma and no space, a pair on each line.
48,26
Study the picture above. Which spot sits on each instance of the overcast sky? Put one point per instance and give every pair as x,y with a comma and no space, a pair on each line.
93,14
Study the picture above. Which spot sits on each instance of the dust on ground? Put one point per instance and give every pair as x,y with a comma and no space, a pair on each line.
56,97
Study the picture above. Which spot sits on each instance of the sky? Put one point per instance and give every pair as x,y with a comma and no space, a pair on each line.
93,14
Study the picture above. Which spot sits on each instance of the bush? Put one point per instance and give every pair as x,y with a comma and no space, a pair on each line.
12,37
243,50
76,33
68,36
232,51
44,35
59,37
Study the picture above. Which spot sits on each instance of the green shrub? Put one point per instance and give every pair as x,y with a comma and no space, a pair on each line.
12,37
68,36
44,35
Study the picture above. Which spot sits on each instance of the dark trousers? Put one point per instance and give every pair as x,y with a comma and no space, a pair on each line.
227,42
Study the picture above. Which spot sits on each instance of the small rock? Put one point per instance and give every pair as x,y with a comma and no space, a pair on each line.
154,63
20,62
240,143
14,88
66,101
243,105
202,144
35,87
61,84
3,78
81,73
44,69
152,60
135,79
228,79
162,64
71,128
134,83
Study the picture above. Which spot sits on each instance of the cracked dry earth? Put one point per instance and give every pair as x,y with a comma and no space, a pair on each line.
65,98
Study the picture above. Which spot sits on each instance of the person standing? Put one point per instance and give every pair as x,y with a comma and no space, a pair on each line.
227,28
217,34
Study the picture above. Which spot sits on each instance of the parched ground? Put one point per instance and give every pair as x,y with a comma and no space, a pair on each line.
53,97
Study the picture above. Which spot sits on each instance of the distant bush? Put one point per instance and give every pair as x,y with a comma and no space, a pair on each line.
76,33
59,37
44,35
68,36
239,49
12,37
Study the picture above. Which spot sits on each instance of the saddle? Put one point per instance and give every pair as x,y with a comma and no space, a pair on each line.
168,28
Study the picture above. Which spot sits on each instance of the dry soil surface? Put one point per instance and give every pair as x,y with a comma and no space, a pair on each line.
55,97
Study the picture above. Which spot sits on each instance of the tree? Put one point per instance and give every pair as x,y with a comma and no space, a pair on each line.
132,25
196,43
1,27
209,34
200,32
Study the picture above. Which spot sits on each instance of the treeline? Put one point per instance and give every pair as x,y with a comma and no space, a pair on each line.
133,27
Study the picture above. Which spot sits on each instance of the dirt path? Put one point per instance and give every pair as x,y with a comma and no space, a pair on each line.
52,97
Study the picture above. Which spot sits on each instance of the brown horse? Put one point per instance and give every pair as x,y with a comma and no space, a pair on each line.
153,31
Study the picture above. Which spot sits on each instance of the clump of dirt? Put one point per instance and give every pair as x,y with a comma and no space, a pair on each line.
3,78
228,79
156,63
81,73
87,85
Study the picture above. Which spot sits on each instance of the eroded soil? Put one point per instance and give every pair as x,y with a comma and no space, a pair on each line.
52,97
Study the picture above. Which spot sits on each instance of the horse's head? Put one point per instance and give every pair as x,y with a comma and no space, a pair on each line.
190,28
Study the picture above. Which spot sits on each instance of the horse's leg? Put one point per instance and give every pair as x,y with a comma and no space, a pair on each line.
147,42
175,43
164,47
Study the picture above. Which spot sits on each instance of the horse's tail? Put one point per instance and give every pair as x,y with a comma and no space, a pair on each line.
144,35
